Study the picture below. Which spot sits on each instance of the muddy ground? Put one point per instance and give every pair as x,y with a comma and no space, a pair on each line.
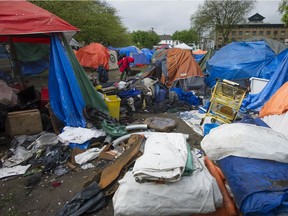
46,200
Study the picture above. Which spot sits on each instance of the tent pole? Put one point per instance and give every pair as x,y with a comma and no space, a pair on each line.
15,63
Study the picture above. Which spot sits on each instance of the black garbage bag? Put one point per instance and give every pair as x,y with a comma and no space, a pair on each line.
90,199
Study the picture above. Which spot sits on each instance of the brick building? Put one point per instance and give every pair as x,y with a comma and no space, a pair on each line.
255,28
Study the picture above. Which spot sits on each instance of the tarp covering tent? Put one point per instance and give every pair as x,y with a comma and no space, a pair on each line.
148,53
279,77
21,17
179,69
93,55
69,87
242,60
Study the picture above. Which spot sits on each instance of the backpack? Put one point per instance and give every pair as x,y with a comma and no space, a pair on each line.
102,74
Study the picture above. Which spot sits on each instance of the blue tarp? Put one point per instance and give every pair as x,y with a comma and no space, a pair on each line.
34,68
148,53
280,76
260,187
187,97
198,57
66,99
140,59
241,60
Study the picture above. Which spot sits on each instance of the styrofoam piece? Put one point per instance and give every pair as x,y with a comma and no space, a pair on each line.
257,84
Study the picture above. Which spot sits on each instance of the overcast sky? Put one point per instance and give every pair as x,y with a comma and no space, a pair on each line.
168,16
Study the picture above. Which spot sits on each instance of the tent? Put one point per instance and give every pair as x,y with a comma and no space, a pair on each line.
179,69
69,87
243,60
113,60
133,51
93,55
183,46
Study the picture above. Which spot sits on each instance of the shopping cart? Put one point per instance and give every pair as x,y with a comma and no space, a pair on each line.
225,102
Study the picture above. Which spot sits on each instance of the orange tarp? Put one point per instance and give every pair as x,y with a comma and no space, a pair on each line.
277,104
199,52
93,55
181,65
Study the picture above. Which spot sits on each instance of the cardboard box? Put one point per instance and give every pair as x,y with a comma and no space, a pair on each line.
23,123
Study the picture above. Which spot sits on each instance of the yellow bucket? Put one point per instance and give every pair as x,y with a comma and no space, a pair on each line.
113,104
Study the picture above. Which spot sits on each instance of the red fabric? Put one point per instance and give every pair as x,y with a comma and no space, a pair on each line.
93,55
124,63
21,17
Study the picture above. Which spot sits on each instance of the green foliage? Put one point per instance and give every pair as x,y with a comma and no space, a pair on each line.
221,15
97,21
283,9
186,36
144,39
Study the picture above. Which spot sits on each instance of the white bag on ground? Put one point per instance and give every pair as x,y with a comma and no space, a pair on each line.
197,193
245,140
164,158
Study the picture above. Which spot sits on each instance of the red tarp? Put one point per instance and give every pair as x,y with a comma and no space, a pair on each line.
21,17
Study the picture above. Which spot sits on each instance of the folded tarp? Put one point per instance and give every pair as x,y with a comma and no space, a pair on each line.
245,140
164,158
260,187
197,193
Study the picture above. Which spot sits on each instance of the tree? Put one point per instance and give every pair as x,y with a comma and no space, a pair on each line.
145,39
283,9
97,21
222,16
186,36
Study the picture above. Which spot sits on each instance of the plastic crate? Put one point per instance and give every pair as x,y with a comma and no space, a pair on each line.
113,104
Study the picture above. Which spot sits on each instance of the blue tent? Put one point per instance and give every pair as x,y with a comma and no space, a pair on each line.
242,60
139,57
148,53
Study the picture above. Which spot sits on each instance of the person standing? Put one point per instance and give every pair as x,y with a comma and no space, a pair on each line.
124,66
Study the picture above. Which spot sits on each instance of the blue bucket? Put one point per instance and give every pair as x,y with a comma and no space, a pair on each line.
208,127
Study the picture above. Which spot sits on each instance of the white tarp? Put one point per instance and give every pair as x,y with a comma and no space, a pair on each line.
197,193
278,122
79,135
11,171
183,46
164,158
245,140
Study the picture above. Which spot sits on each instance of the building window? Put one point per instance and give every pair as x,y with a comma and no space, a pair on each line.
268,33
233,33
254,33
260,32
247,33
282,32
275,32
240,33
